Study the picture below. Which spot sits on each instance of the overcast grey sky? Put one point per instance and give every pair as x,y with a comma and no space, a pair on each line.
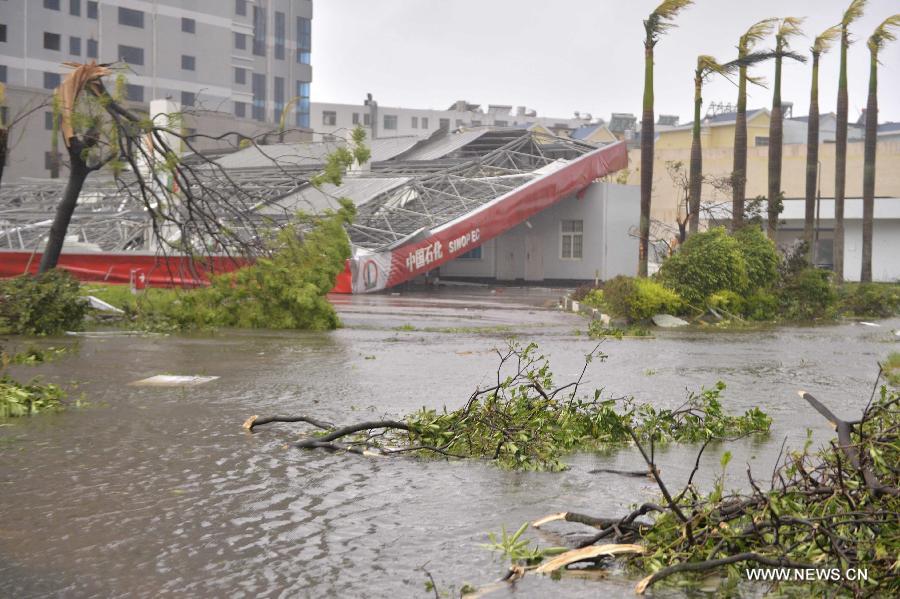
560,56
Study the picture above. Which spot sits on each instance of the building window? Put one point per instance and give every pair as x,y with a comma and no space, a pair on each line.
302,109
188,63
501,123
424,122
240,76
240,7
279,97
131,55
304,40
279,35
131,18
188,25
476,123
3,77
75,46
51,80
572,239
135,93
48,120
259,31
51,4
355,118
75,8
329,118
444,124
92,48
415,122
473,254
51,163
367,119
259,96
240,41
390,122
459,123
240,110
188,98
761,141
4,114
52,41
2,32
92,9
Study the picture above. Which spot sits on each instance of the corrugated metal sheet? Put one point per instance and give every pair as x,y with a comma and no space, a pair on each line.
443,146
309,199
310,154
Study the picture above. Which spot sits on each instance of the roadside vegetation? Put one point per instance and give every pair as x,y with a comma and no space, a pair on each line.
741,277
19,399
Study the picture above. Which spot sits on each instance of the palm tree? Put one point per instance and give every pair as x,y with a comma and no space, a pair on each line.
659,21
853,12
789,27
756,33
880,37
820,45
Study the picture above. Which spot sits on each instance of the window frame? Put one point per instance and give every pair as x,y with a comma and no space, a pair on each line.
129,48
188,62
49,36
393,122
571,235
74,45
188,25
329,118
125,14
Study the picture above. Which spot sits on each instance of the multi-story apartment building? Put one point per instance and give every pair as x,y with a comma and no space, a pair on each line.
385,121
234,65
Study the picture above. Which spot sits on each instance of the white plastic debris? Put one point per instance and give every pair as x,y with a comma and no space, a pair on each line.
870,324
98,304
174,380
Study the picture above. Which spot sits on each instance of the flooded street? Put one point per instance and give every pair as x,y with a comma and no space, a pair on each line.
152,491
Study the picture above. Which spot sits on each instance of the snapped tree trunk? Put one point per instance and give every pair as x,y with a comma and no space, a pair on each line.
812,160
696,174
78,172
739,168
869,171
775,135
840,162
646,161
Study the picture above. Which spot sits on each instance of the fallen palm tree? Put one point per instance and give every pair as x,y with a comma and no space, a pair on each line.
523,421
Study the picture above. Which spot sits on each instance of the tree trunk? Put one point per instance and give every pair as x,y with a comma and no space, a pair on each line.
739,169
696,174
78,172
812,160
840,162
4,140
869,171
646,161
775,135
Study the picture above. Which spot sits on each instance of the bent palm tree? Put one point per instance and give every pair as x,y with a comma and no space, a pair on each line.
853,12
756,33
789,27
820,45
879,38
655,25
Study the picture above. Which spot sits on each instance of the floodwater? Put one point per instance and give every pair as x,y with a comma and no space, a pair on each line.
152,491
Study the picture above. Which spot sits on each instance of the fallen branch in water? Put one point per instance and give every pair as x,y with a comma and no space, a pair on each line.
524,422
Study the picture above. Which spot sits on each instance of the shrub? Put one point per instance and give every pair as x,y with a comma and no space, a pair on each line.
761,257
639,299
593,298
807,295
761,305
729,301
23,399
582,291
871,300
46,304
708,262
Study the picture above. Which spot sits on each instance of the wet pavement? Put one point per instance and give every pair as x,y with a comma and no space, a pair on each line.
153,491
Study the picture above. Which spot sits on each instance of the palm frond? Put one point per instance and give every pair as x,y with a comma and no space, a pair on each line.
660,20
760,81
853,12
789,27
823,41
757,32
708,66
883,34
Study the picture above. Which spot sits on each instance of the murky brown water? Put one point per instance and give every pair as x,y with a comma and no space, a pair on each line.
158,491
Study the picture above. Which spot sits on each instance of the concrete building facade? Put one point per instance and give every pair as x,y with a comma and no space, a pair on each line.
232,64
